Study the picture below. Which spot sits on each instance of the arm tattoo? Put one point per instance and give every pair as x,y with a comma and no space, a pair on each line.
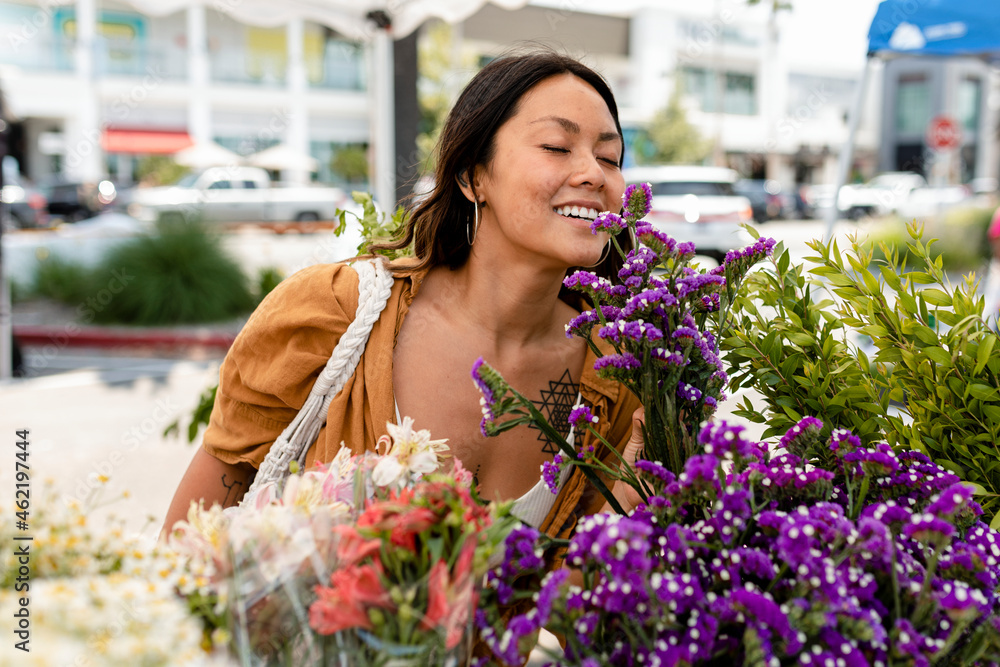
230,489
556,404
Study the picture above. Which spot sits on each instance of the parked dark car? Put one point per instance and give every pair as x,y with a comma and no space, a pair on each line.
71,201
767,200
25,204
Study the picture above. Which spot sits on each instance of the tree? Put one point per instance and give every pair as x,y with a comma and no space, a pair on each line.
672,139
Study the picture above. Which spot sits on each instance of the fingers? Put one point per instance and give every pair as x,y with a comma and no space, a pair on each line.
635,442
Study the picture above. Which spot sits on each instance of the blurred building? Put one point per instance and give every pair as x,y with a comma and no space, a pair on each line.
916,90
98,85
765,114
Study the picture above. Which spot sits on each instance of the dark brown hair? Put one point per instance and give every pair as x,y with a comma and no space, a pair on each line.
437,223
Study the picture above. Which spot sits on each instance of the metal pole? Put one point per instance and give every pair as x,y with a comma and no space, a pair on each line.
6,329
847,152
384,137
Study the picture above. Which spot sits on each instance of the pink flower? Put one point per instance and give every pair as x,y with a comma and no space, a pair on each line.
451,600
353,547
345,603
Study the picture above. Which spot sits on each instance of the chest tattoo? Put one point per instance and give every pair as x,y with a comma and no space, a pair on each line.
556,404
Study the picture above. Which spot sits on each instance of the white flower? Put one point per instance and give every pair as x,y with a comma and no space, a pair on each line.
411,454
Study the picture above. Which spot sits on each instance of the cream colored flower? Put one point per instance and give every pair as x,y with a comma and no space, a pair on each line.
412,454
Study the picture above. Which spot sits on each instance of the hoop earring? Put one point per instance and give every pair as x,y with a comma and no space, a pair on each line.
604,256
470,235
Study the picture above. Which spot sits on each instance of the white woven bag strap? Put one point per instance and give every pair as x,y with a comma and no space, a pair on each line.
374,286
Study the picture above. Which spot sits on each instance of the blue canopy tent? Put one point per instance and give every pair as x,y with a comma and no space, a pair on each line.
920,27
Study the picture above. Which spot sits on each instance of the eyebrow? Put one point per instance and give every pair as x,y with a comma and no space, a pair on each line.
574,128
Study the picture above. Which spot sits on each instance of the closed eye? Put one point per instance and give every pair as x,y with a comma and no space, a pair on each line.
555,149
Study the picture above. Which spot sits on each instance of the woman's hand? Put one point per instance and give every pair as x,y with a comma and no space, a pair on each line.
623,492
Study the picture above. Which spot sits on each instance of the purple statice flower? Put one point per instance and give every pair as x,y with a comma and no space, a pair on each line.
929,529
688,392
843,441
697,283
710,302
638,263
751,254
686,332
521,556
798,438
762,611
685,251
581,417
598,288
650,236
550,472
585,321
952,501
878,462
493,388
647,301
699,474
621,362
725,441
608,222
908,642
668,358
961,601
637,200
656,470
619,543
632,329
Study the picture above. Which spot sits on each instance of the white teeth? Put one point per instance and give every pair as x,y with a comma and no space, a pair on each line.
577,212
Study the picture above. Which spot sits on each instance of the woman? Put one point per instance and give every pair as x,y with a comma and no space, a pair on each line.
531,152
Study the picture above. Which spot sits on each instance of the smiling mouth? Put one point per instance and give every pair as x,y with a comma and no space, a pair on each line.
578,212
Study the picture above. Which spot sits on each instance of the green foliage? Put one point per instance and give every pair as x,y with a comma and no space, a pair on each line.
787,344
199,418
63,280
19,291
351,163
673,140
962,243
159,170
178,275
376,226
267,279
934,355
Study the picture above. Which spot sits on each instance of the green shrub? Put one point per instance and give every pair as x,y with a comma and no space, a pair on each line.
267,279
63,280
961,238
934,355
178,275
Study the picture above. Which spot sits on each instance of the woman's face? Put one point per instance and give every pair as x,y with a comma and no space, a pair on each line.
554,167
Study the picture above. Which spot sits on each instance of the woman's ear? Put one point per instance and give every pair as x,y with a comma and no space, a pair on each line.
469,189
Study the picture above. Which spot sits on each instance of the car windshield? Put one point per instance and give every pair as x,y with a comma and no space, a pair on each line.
676,188
186,181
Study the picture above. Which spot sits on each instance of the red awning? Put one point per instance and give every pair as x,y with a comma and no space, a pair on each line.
144,141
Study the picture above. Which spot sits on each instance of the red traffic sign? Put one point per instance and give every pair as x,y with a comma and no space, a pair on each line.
944,133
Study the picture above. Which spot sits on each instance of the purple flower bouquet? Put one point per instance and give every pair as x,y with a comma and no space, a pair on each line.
826,553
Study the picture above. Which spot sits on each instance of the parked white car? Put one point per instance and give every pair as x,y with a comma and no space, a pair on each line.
697,204
235,194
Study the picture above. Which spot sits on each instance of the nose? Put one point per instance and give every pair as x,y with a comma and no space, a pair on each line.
587,171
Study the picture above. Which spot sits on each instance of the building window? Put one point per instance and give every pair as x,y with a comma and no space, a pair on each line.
738,93
969,96
913,104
